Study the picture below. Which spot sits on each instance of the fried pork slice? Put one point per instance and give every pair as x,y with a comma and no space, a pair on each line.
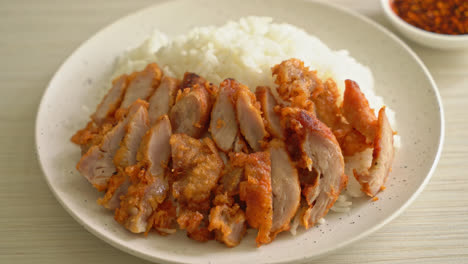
163,98
196,224
141,85
357,111
285,187
314,145
325,98
249,117
91,135
256,191
310,185
111,102
296,83
231,178
97,164
103,119
228,223
268,103
164,219
239,144
191,113
125,156
197,167
382,157
149,180
223,124
191,80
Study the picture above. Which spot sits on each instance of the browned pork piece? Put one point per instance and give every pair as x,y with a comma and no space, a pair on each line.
223,124
191,79
373,180
227,219
191,112
111,102
164,218
268,103
296,83
97,164
256,192
125,156
310,185
197,167
196,170
325,98
315,147
163,98
103,119
239,144
149,179
141,85
250,119
285,187
231,177
228,223
357,111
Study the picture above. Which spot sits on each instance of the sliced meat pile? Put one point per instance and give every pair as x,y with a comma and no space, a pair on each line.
173,154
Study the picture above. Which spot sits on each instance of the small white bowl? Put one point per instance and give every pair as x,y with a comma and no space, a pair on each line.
423,37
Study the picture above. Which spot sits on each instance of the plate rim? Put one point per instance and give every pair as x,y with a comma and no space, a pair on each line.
379,225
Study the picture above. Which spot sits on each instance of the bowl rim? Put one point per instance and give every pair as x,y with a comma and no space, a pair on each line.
418,31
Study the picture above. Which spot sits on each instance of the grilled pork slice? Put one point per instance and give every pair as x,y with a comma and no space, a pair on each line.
141,85
191,112
296,83
357,111
103,119
125,156
373,181
256,191
250,118
268,103
149,180
228,223
285,187
97,164
313,144
223,124
197,167
163,98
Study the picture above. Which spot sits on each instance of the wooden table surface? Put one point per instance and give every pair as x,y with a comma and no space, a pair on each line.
36,37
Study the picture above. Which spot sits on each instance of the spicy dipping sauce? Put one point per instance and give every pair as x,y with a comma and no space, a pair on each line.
438,16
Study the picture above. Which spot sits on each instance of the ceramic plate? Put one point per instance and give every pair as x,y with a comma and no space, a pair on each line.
400,78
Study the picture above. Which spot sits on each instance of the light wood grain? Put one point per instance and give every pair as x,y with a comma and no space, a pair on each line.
37,36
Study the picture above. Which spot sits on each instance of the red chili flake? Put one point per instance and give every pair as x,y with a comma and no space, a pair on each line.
439,16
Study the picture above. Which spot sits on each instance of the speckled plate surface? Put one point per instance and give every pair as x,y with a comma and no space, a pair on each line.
400,78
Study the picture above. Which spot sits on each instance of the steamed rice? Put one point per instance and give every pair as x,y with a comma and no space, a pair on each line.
246,50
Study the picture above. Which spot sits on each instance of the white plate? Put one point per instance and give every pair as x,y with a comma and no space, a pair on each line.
400,77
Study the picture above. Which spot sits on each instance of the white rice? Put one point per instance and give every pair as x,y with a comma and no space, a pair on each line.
246,50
